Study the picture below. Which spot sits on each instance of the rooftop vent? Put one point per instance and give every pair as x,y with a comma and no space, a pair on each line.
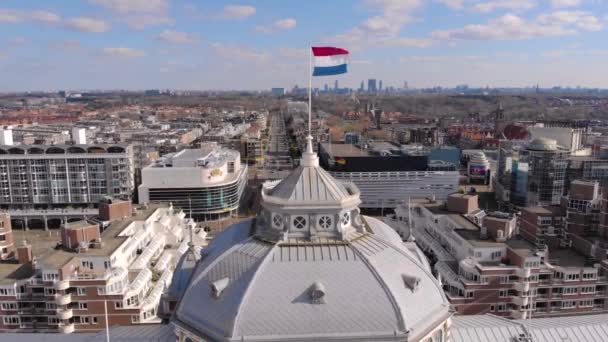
218,286
411,282
317,293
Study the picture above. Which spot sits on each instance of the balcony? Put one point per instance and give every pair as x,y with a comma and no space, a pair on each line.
523,272
522,286
63,299
65,313
61,285
520,301
519,314
66,328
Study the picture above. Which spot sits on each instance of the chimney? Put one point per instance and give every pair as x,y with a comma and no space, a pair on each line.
24,253
483,232
112,209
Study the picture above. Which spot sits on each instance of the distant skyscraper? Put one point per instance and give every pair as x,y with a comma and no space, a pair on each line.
326,88
371,85
336,85
362,87
405,85
380,85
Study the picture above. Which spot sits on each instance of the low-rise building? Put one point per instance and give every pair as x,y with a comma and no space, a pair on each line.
386,176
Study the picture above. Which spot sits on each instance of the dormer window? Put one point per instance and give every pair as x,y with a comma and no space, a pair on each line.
277,221
325,222
345,219
299,222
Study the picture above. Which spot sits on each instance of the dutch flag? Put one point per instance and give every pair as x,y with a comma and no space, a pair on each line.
329,61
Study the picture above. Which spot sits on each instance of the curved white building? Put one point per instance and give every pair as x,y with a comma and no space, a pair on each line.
208,182
311,268
478,167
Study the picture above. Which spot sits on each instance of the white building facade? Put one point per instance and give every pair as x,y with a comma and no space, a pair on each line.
207,183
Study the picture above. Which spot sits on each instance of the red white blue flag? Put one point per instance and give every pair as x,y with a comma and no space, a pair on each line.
329,61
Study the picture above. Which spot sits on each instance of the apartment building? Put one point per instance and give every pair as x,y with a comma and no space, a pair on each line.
34,176
7,245
66,281
485,266
207,182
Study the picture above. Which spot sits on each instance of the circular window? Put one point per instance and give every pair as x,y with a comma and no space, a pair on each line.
277,221
325,222
346,219
299,222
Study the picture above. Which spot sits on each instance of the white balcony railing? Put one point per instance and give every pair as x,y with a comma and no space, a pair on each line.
65,314
66,328
61,285
64,299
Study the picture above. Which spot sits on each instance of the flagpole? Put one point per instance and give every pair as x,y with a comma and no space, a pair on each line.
310,89
105,309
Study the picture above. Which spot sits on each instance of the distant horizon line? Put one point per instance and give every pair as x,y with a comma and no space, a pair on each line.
287,89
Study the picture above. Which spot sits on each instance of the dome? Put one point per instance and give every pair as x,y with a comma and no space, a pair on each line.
309,267
543,144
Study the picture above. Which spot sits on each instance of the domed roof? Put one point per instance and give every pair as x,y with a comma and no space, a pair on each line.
370,288
309,267
543,144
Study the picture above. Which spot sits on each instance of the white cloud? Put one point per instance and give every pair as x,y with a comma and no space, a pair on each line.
177,37
513,27
453,4
385,26
285,24
263,29
45,17
241,53
581,19
405,42
139,14
237,12
122,52
141,21
14,16
279,25
10,16
133,6
565,3
512,5
86,24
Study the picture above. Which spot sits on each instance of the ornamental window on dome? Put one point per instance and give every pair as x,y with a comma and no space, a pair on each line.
299,222
277,221
325,222
345,219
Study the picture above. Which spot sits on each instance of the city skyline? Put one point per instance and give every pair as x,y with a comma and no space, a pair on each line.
135,44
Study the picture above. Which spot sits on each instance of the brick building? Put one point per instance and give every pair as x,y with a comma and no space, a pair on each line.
63,281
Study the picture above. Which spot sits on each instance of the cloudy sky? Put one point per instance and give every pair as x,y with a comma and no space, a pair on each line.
179,44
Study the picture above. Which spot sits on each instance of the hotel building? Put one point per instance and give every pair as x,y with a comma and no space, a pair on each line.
206,182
